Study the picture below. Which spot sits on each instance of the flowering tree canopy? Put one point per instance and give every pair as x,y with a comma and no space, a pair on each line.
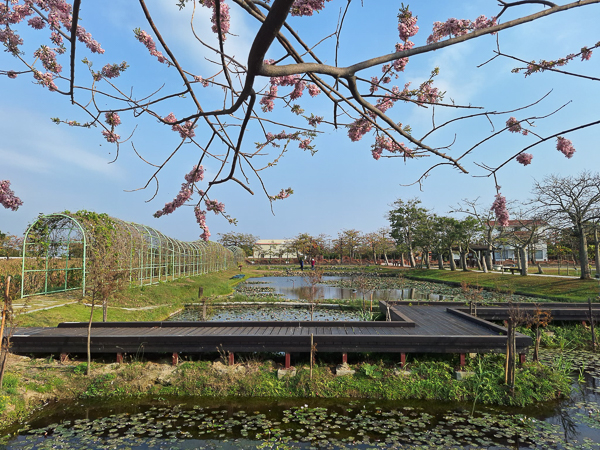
280,68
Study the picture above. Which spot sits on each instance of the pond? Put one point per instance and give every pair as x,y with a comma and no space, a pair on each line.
236,423
299,288
267,312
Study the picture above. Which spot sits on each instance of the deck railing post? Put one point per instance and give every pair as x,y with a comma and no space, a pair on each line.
119,358
287,361
231,358
523,358
344,358
402,360
175,358
463,362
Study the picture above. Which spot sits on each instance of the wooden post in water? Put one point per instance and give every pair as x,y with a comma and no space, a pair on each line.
592,325
311,354
201,295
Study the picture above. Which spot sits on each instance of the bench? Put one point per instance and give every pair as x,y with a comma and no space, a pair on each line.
512,270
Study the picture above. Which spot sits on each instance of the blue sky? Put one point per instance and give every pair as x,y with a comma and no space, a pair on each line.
55,168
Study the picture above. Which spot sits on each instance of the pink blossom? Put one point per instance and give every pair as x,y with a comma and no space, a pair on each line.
183,196
48,58
313,90
111,136
524,158
383,143
56,38
307,7
499,208
11,40
170,118
45,79
11,74
201,220
359,128
428,94
225,18
86,38
37,23
214,206
186,130
374,85
147,40
112,118
513,125
483,22
203,81
195,175
8,199
298,90
113,70
586,54
565,146
284,193
407,24
267,99
314,120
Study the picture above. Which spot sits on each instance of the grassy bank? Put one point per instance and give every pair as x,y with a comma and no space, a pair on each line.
137,303
31,383
553,288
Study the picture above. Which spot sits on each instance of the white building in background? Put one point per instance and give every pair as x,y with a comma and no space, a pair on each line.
506,251
272,248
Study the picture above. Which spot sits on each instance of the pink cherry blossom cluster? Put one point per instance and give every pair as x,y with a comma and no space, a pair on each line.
225,18
542,64
524,158
214,206
185,193
313,120
428,94
185,131
284,193
195,175
147,40
359,128
313,90
86,38
565,146
267,100
48,59
458,27
203,81
407,24
111,70
45,79
201,219
513,125
111,136
382,143
112,118
499,208
307,7
8,199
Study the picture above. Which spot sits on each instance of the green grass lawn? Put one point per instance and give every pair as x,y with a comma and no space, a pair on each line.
562,289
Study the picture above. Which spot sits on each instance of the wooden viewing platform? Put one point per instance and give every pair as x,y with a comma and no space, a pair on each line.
426,328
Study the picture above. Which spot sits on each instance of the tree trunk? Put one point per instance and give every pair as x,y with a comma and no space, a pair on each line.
105,310
478,261
411,258
3,346
484,264
583,256
440,261
387,263
426,258
597,253
452,262
517,255
463,260
524,261
402,259
89,338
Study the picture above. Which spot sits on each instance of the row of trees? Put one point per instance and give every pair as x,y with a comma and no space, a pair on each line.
10,245
563,212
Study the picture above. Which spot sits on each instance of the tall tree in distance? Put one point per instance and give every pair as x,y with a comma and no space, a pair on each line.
570,202
245,241
404,219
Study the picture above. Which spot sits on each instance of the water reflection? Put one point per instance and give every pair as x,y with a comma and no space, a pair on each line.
298,288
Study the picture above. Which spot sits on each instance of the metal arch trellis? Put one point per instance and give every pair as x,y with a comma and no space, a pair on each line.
56,248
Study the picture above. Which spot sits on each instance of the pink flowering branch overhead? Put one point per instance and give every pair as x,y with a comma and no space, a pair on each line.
275,96
8,199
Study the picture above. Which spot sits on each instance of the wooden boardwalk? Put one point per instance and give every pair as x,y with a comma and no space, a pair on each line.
431,328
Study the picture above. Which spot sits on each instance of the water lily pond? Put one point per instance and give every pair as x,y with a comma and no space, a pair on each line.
235,423
267,312
331,287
